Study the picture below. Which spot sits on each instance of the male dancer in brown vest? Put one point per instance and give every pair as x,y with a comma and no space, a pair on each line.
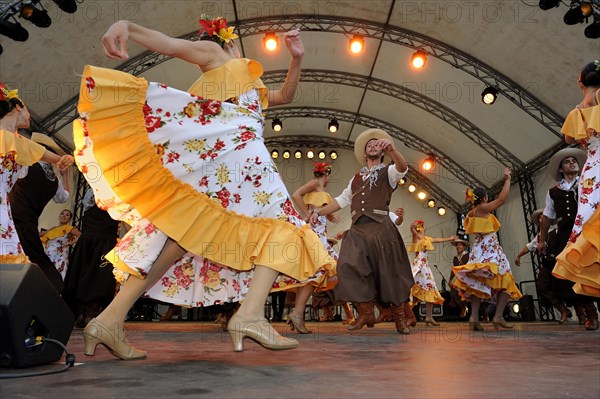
373,265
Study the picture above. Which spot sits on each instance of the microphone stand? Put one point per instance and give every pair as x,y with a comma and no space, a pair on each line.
444,282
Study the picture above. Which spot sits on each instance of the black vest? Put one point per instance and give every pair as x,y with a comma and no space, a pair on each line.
565,206
30,195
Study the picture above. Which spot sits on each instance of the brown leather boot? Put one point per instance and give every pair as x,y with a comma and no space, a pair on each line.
592,317
398,313
366,316
411,319
580,312
564,312
385,314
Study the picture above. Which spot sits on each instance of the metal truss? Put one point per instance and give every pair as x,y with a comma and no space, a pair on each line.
409,139
328,142
394,34
397,35
409,96
79,193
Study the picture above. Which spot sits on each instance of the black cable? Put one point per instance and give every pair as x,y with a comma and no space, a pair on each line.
69,362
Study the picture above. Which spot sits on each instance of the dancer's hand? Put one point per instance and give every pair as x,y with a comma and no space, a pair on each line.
115,39
333,218
507,173
65,161
294,43
518,261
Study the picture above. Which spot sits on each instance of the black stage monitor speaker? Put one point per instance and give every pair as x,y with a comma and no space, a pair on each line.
30,307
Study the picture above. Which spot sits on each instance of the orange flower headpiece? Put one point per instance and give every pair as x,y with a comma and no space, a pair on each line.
419,225
7,94
322,168
217,29
470,196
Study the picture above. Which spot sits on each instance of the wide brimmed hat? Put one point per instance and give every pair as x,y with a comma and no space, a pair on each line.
363,139
48,142
454,242
535,216
557,158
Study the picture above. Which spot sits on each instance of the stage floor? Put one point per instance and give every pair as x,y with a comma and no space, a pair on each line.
196,360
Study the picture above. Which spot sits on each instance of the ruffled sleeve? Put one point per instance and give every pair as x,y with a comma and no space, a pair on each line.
56,232
25,151
231,79
481,225
579,122
424,244
317,198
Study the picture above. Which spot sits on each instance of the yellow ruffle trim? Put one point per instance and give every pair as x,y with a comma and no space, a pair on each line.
422,245
317,198
10,258
56,232
500,282
580,261
233,78
426,296
193,220
575,125
481,225
26,151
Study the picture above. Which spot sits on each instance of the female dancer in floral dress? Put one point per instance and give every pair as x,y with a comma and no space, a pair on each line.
424,289
190,172
487,275
58,239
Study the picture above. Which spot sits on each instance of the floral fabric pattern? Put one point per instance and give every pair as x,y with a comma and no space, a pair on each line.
11,246
57,250
589,185
423,277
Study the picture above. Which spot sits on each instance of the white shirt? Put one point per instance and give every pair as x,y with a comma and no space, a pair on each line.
345,198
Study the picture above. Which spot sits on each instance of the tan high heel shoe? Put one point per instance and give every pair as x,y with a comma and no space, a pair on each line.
260,331
501,323
475,326
114,340
296,322
431,322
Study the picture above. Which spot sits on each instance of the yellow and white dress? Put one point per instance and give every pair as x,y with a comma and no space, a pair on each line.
580,260
195,169
15,152
424,289
487,272
56,245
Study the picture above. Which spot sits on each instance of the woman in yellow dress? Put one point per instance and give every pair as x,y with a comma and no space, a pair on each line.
15,152
425,289
487,275
580,260
309,197
58,239
190,172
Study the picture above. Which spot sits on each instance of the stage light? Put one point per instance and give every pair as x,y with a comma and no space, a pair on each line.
418,59
489,95
274,154
286,154
333,154
357,44
441,211
574,16
271,41
421,195
298,154
69,6
333,125
322,154
428,163
310,154
431,203
593,30
586,9
402,181
548,4
13,30
37,17
412,188
277,125
516,308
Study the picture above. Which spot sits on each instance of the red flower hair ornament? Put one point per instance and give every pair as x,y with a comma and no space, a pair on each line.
322,168
217,29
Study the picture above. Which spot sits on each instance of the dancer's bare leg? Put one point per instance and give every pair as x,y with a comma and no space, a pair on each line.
253,306
301,298
116,312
